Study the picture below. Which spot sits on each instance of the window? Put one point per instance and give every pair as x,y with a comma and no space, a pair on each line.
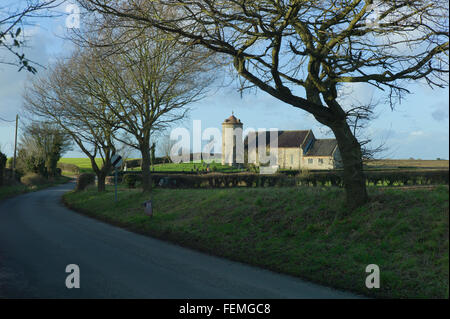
320,161
310,160
292,159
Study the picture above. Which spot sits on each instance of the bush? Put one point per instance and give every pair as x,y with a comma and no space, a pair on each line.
131,179
84,180
33,179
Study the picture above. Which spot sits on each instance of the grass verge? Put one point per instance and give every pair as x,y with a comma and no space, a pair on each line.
10,191
305,232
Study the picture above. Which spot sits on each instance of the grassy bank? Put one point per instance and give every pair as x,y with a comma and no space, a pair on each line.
10,191
304,232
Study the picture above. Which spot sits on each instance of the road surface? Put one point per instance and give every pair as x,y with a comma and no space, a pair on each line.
39,237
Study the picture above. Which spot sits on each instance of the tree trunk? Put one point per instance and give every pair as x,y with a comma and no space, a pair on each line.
354,179
145,167
101,182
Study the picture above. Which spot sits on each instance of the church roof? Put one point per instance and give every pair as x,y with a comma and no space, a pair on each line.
294,139
322,147
285,138
232,120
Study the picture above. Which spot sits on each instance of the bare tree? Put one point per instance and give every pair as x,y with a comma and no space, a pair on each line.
66,97
165,145
126,151
12,19
301,52
151,79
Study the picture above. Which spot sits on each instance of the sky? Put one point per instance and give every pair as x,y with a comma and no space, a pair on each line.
418,127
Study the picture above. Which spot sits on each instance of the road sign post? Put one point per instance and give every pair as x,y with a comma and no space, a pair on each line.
115,185
116,162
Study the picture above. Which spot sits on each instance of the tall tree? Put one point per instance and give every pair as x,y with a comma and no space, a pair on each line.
302,52
149,82
67,96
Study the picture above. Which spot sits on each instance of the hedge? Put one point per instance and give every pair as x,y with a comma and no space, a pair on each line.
332,178
84,180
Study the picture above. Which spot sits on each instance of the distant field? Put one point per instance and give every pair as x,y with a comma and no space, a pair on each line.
391,163
85,165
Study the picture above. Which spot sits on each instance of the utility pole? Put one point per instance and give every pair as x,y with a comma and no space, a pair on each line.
15,148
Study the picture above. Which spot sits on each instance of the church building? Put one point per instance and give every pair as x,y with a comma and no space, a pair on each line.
296,149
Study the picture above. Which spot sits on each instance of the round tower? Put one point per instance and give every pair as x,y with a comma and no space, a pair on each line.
231,132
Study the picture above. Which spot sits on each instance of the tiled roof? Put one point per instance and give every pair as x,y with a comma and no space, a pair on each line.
322,147
285,138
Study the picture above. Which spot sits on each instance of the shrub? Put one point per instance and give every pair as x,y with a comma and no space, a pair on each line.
33,179
131,179
84,180
27,162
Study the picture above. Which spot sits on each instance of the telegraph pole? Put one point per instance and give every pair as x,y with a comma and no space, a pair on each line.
15,148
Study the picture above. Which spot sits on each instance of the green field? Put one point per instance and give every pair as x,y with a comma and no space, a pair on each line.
85,166
305,232
83,163
390,163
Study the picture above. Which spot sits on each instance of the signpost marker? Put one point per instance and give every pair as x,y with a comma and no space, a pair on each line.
116,162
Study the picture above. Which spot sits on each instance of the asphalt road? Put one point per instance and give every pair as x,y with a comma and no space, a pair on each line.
39,237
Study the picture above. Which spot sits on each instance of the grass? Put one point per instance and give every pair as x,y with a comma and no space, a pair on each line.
10,191
389,163
305,232
83,163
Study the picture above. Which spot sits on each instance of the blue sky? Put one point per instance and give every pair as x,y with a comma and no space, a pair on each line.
418,128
